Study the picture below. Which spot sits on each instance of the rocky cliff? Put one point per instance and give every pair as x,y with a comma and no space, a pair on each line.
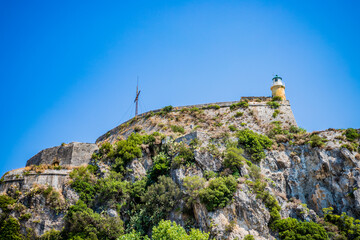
270,170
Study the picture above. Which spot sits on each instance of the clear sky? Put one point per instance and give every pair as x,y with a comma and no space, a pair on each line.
68,68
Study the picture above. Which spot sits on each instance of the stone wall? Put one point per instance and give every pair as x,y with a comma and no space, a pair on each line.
72,154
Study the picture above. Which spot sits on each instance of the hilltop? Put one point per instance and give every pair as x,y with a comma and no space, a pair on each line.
230,170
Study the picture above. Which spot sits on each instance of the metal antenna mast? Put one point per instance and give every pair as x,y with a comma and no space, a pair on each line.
137,97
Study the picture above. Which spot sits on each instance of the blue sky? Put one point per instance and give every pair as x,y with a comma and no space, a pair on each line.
68,70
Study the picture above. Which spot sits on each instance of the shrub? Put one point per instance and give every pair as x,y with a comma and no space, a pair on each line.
160,167
241,104
210,174
194,109
51,235
234,158
219,192
316,141
159,199
184,156
5,201
232,128
130,148
249,237
276,113
126,150
273,104
25,217
277,98
294,129
351,134
254,143
350,147
254,171
111,190
193,185
167,230
133,235
178,129
82,222
10,229
291,228
348,226
83,182
239,114
105,149
213,106
167,109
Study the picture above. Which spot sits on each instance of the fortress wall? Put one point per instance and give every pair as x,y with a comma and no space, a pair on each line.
23,180
72,154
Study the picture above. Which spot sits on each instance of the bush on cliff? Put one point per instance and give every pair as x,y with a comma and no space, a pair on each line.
5,201
316,141
234,158
219,192
161,167
83,181
351,134
158,200
10,229
241,104
82,222
167,230
273,104
291,228
171,231
185,156
254,143
348,227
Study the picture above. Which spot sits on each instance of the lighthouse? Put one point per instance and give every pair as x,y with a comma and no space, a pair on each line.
278,88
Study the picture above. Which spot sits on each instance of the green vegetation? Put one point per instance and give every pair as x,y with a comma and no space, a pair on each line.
51,235
82,222
5,201
161,167
178,129
347,227
273,104
249,237
291,228
241,104
194,109
234,158
167,230
296,130
83,182
185,156
254,143
232,128
219,192
213,106
351,134
317,141
166,110
239,114
276,113
351,147
10,229
193,185
277,98
159,199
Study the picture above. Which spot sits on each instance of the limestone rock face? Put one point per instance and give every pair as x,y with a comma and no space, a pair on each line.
72,154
